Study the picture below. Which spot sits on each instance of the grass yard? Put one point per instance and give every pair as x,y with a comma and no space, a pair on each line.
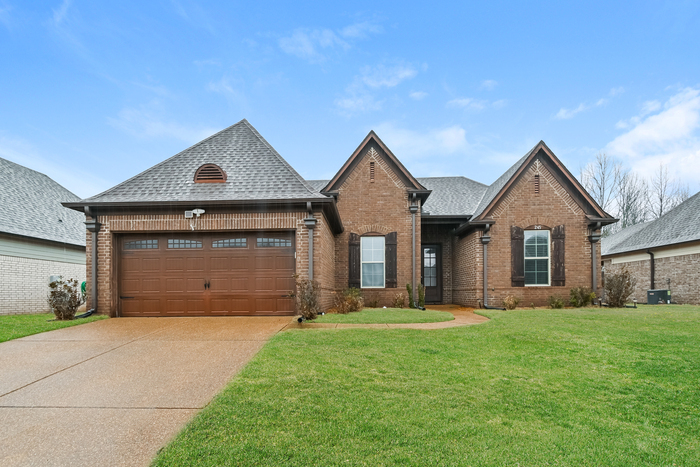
16,326
530,387
387,315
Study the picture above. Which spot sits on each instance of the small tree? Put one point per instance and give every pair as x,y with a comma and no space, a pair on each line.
409,289
619,287
64,298
421,295
307,297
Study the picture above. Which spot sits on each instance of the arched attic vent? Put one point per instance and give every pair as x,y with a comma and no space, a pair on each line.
210,173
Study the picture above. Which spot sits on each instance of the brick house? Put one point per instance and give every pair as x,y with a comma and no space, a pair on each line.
221,227
39,238
661,254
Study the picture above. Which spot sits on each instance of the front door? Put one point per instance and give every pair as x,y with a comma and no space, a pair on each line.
431,274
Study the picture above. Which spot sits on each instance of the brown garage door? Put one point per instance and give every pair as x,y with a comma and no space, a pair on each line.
240,273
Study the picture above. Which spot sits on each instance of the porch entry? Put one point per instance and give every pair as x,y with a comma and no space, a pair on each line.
431,273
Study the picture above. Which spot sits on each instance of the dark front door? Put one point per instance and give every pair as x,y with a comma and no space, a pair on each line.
431,276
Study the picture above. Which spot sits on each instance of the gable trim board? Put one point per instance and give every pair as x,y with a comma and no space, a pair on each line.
263,193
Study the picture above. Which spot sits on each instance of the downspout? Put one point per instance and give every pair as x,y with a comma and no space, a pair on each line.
652,268
414,209
93,226
485,239
310,223
594,238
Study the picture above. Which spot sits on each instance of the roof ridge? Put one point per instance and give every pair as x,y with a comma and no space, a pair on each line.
23,167
279,156
166,160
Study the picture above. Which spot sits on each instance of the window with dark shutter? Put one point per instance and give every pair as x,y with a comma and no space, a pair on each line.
354,261
517,257
390,260
558,269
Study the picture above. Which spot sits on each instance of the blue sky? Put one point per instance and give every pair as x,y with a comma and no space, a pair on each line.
95,92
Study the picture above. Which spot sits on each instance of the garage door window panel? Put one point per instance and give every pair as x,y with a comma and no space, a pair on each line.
178,243
148,244
271,242
230,243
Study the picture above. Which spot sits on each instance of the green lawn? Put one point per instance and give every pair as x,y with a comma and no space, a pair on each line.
16,326
613,387
387,315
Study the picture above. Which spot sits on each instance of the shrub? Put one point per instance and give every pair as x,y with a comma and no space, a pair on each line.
532,305
510,302
409,289
555,302
399,300
619,287
64,298
307,297
421,295
349,301
581,296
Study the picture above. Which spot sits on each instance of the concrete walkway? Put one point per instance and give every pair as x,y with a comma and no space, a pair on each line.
113,392
463,317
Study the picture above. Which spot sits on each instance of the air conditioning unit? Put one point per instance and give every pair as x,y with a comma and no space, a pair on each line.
657,296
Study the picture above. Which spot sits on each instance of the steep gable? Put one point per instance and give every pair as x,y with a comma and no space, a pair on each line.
541,154
374,147
254,171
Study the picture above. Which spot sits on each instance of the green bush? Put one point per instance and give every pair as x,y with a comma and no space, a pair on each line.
555,302
307,297
510,302
619,287
421,295
581,296
409,289
64,298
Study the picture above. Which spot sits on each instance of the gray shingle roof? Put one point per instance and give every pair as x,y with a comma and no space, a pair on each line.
681,224
452,196
255,171
317,184
498,185
30,205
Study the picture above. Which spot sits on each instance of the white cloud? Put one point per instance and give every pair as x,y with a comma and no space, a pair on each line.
468,103
146,123
409,144
418,95
668,134
386,76
313,44
565,114
361,30
360,95
60,13
489,84
647,108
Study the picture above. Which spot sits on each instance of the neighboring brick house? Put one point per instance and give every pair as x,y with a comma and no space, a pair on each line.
220,228
39,238
661,254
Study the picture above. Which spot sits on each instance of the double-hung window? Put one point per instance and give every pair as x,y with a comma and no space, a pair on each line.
372,258
537,257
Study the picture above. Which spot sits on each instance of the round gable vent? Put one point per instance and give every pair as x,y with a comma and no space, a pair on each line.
210,173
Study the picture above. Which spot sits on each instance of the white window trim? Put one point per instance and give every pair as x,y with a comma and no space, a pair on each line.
383,261
549,258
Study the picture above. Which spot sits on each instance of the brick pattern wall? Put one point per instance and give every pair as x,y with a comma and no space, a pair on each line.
24,283
380,206
551,207
440,234
682,270
111,224
468,267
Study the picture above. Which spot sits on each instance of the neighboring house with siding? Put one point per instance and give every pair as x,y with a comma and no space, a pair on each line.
661,254
39,238
221,227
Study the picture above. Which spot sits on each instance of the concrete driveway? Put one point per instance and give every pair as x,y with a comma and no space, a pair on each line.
115,391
